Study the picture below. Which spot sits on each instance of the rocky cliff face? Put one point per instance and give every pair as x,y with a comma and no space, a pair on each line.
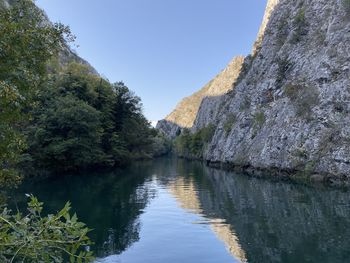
186,111
289,109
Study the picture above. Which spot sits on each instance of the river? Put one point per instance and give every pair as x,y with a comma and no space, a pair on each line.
171,210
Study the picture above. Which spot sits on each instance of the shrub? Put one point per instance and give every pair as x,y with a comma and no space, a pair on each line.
303,97
193,145
282,32
230,121
33,238
245,104
207,133
300,26
346,4
259,119
283,66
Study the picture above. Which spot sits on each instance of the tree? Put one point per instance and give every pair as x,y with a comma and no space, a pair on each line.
66,135
27,42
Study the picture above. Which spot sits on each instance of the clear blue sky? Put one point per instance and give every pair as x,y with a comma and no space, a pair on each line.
163,50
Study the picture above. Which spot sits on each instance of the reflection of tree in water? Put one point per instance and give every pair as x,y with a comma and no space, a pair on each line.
276,221
260,220
109,204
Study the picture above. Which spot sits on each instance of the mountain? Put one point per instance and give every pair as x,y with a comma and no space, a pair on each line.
186,111
288,111
67,54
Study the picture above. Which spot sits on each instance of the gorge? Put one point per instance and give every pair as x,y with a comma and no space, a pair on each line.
284,109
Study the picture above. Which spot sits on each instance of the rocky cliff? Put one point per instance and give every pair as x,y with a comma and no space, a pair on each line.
289,108
186,111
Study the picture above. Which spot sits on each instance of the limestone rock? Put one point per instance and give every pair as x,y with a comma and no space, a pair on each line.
186,111
291,103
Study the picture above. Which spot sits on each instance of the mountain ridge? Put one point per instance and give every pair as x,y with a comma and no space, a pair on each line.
288,111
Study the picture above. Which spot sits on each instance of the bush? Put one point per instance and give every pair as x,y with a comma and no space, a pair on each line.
193,145
245,104
283,66
33,238
259,119
346,4
300,26
282,32
230,120
303,97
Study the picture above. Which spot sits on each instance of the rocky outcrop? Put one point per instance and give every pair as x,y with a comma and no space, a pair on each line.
289,111
271,4
186,111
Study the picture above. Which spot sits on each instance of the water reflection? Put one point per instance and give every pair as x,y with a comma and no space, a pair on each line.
276,221
110,204
257,220
187,196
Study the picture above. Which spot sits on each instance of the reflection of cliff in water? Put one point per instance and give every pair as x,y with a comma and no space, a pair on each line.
276,221
186,195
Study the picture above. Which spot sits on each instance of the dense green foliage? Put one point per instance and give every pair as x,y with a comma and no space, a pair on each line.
82,121
26,44
57,119
193,145
34,238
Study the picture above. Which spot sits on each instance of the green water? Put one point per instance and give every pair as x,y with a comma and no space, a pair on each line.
171,210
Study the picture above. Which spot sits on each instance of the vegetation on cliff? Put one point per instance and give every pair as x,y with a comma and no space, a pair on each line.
193,145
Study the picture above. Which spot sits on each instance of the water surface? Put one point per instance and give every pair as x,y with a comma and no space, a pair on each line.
172,210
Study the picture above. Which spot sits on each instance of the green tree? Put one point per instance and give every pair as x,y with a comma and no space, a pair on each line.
82,120
27,43
66,135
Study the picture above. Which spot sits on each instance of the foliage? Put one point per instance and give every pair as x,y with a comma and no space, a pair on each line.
303,97
230,120
260,118
161,145
193,145
282,32
245,104
67,135
300,26
83,121
346,4
26,45
283,66
33,238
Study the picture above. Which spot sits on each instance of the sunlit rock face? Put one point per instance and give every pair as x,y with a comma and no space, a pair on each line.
290,106
186,111
270,7
187,195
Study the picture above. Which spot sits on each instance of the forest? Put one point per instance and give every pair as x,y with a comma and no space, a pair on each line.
57,118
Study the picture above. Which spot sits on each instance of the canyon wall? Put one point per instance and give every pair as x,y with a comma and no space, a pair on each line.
289,108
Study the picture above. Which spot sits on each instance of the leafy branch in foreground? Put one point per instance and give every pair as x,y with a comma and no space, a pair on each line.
33,238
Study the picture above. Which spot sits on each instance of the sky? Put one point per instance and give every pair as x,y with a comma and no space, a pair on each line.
163,50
